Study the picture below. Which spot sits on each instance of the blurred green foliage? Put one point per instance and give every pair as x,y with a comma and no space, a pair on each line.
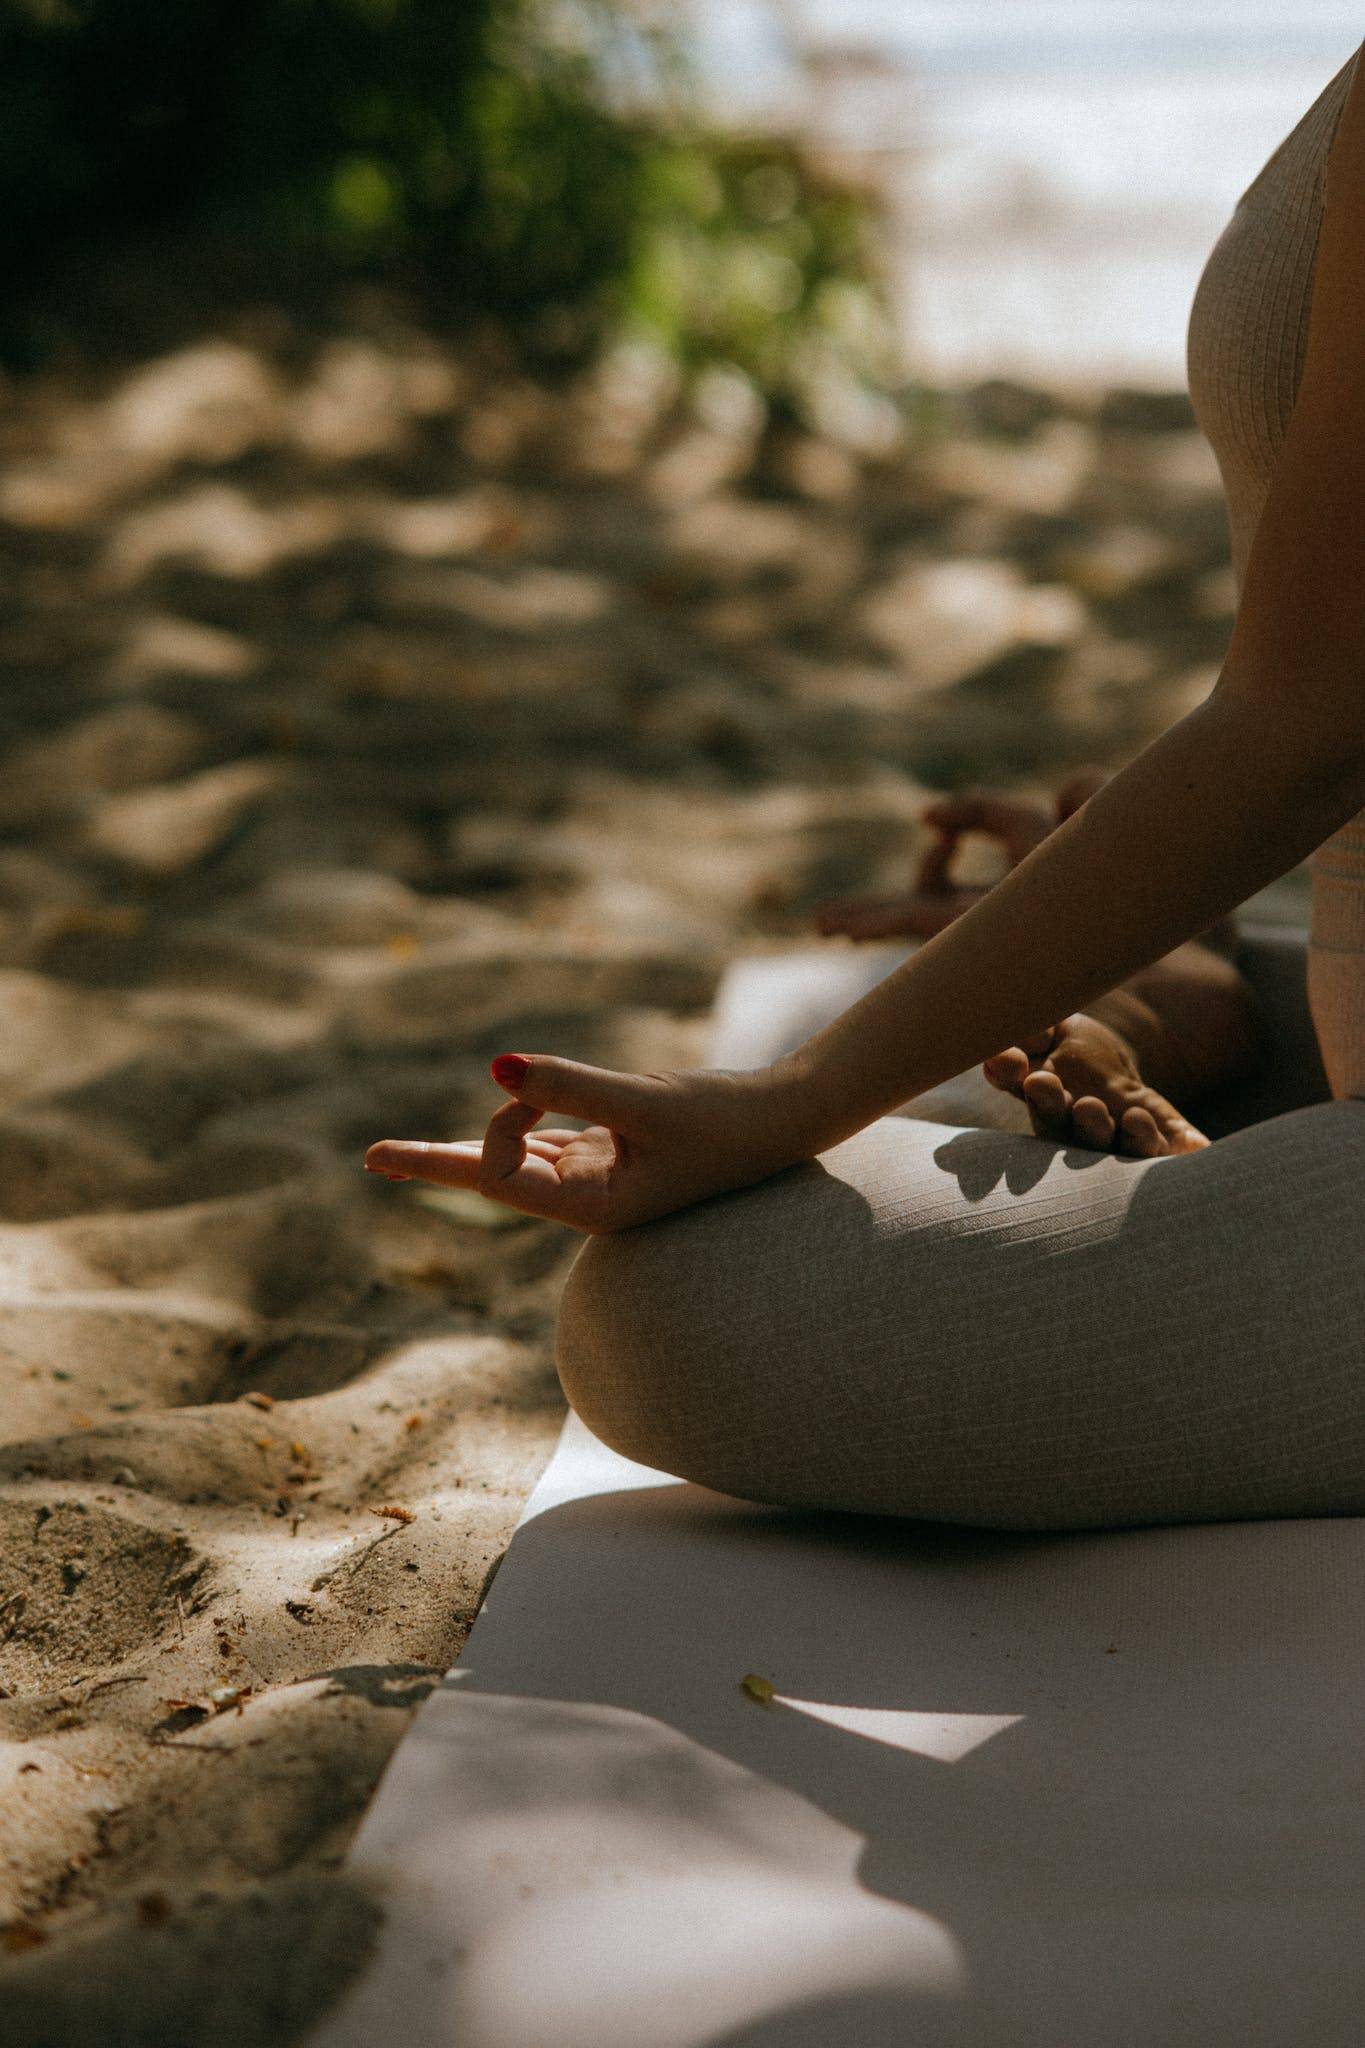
533,160
744,255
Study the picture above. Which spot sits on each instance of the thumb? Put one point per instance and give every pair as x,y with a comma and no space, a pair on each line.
595,1093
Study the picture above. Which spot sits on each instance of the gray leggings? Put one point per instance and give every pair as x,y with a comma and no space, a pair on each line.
975,1325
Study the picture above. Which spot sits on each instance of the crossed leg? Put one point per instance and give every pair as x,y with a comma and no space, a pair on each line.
980,1326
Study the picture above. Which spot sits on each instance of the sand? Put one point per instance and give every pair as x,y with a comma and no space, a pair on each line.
371,708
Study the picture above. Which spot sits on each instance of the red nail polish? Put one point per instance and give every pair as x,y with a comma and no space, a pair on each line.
510,1069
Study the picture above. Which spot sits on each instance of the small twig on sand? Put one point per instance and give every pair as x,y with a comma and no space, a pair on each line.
108,1684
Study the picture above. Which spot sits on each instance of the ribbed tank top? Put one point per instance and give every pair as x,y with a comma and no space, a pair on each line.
1248,335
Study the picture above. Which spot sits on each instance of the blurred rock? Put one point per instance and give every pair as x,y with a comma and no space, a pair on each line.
532,599
1216,595
791,463
488,518
65,492
734,538
694,463
356,403
222,529
121,748
333,907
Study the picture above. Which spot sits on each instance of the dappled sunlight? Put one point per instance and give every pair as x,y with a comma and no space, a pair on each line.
596,1863
219,528
997,1775
945,1737
371,708
206,404
158,647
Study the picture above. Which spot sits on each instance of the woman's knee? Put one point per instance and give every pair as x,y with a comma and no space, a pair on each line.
627,1351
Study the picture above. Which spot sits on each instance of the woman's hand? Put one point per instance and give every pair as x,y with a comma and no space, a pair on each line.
655,1142
935,901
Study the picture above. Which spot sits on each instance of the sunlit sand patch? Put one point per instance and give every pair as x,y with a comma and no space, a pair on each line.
208,403
159,645
221,528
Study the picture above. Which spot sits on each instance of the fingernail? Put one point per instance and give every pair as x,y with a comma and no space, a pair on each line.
510,1069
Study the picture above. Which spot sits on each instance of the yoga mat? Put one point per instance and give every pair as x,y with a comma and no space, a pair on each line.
1105,1791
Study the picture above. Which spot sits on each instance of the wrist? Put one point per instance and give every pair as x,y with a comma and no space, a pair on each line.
811,1108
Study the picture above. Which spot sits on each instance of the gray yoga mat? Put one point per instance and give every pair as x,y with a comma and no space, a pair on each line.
1105,1791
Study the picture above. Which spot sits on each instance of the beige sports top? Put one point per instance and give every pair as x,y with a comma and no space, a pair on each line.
1247,339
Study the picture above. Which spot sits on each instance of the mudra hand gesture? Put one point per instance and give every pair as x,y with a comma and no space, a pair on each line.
935,900
654,1142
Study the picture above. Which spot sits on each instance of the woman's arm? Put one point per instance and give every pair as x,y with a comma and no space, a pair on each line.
1221,804
1242,789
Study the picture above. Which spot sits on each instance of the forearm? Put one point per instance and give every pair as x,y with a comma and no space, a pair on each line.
1213,810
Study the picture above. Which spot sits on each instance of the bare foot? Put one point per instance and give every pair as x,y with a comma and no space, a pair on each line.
1082,1085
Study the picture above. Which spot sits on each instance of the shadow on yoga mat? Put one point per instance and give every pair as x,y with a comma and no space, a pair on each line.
1084,1789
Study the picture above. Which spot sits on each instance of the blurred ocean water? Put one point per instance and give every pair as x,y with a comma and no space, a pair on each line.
1058,169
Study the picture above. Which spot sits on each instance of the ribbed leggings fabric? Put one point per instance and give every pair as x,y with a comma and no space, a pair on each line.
977,1326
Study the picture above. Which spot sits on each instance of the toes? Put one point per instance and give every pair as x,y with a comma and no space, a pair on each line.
1046,1093
1009,1069
1041,1042
1139,1136
1093,1122
1049,1102
1006,1069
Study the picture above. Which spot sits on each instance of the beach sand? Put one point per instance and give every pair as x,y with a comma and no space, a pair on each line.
370,709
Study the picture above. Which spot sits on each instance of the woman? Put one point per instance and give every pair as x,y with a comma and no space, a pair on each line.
791,1295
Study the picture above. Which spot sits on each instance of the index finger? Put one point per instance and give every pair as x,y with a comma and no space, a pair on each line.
534,1187
504,1146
